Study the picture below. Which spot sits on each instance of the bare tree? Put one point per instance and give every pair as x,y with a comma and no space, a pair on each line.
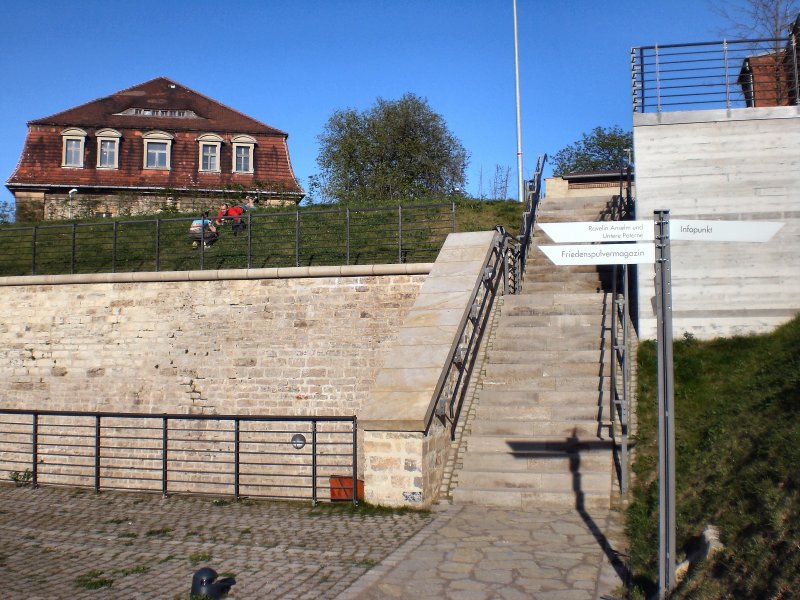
767,20
500,182
750,19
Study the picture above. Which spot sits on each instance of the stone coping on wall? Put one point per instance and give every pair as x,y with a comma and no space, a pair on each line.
223,274
401,398
679,117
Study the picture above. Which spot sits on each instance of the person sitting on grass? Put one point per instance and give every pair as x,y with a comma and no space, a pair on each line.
234,214
223,209
203,230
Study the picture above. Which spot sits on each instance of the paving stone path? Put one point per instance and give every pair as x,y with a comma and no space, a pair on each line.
58,543
478,553
55,543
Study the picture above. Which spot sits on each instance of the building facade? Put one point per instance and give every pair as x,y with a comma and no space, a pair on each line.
158,145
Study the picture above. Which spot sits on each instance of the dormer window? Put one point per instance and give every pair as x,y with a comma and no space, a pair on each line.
243,146
210,144
72,147
108,148
157,150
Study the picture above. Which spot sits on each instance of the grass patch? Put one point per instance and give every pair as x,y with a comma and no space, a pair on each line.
365,509
93,580
134,570
737,438
163,532
199,557
368,563
117,521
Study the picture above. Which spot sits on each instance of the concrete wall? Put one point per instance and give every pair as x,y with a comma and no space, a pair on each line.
741,164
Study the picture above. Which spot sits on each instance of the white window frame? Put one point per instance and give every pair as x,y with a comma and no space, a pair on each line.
209,140
72,134
108,135
157,137
247,142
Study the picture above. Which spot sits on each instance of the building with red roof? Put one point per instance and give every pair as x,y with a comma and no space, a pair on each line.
158,144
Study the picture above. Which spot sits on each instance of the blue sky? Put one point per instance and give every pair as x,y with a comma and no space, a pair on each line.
291,63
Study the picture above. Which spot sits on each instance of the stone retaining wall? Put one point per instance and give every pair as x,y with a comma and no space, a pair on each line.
289,346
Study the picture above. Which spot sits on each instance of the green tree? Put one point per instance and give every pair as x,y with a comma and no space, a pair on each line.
396,150
599,150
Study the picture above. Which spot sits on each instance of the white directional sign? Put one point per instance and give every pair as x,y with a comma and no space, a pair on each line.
723,231
599,231
643,231
600,254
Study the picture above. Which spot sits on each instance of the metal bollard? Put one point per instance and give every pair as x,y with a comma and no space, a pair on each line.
205,585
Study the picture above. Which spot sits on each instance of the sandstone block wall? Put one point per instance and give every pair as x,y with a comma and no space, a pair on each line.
272,346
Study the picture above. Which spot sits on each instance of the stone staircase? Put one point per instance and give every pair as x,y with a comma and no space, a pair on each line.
538,428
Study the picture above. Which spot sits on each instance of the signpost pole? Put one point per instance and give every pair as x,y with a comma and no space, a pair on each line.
666,409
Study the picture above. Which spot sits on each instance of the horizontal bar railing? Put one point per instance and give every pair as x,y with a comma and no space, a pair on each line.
278,457
270,239
723,74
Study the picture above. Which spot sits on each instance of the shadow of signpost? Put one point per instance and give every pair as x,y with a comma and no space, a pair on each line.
573,447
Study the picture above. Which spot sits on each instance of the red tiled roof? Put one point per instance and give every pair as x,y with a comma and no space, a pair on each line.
40,163
158,93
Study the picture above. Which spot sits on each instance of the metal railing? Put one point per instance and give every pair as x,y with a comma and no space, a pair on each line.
726,74
502,273
271,239
622,209
448,398
296,458
525,238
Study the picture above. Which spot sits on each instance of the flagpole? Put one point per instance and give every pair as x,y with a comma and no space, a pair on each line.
521,186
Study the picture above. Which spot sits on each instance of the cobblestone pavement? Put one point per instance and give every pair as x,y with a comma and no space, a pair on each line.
480,553
55,543
58,543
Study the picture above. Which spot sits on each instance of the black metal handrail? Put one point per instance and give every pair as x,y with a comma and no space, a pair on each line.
279,457
525,239
502,273
723,74
448,397
398,234
623,208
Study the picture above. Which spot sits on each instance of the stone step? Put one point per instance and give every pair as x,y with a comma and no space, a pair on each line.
564,310
586,481
532,410
568,214
599,200
564,323
553,299
538,287
530,339
569,437
500,397
543,357
534,429
497,372
542,274
557,384
522,498
539,462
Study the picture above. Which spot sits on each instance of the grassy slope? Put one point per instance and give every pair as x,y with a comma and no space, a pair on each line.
737,404
373,239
